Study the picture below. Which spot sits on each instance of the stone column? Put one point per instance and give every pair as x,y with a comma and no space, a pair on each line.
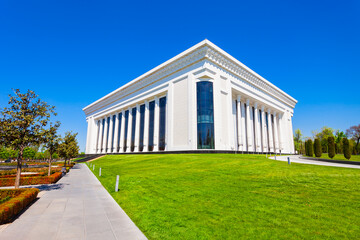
257,128
248,126
271,138
243,128
110,135
276,134
146,127
239,127
116,133
122,133
156,125
263,129
137,128
128,141
105,136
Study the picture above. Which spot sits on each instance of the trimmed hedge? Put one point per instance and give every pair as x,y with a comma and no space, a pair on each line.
346,148
20,198
331,147
317,148
31,180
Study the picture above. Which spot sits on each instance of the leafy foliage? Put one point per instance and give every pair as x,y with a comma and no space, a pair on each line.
346,148
310,149
331,144
23,123
4,153
68,147
354,133
317,147
29,153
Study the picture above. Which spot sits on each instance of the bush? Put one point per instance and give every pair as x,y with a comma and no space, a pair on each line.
317,147
331,144
310,150
346,148
19,199
53,178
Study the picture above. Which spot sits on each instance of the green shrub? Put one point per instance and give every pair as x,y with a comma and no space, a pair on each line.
346,148
310,149
331,144
10,181
19,199
317,147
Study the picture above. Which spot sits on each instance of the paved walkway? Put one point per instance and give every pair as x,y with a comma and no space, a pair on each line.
297,159
77,207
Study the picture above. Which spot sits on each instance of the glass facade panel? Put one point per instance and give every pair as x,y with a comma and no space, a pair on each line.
102,134
119,132
162,122
151,125
113,131
107,133
205,115
142,122
126,128
133,128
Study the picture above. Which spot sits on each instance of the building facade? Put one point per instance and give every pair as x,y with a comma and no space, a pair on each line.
202,99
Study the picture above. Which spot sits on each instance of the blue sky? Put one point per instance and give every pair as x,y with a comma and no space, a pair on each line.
71,53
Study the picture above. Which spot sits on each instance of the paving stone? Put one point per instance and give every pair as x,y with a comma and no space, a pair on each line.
78,208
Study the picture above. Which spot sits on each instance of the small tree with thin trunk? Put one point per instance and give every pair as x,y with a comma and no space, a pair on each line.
346,148
310,148
317,148
354,133
52,142
331,145
68,147
23,123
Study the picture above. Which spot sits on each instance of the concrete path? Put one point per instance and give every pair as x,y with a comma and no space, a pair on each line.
77,207
297,159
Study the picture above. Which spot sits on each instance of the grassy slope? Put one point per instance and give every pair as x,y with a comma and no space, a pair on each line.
341,157
225,196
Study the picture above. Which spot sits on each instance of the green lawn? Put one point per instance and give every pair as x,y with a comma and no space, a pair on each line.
341,157
228,196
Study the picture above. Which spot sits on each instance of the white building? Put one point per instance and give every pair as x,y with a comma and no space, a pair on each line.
202,99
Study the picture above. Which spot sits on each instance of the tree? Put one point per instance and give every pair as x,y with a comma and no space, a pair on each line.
52,141
317,147
354,133
331,144
23,123
68,147
339,135
298,140
39,156
346,148
323,136
310,148
4,153
28,153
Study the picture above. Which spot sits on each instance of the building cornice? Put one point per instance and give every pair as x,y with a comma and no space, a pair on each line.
201,51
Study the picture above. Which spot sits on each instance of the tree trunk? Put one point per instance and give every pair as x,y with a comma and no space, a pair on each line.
50,160
18,172
65,162
357,143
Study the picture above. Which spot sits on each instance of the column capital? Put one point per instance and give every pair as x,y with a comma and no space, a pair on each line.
256,105
238,98
262,108
269,110
248,102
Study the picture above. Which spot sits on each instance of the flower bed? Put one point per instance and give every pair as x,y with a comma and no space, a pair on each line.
13,171
53,178
18,200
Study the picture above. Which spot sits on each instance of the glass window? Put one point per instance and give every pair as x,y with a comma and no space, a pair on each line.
142,122
102,134
107,133
162,122
126,128
119,132
205,115
151,125
98,138
133,128
113,131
